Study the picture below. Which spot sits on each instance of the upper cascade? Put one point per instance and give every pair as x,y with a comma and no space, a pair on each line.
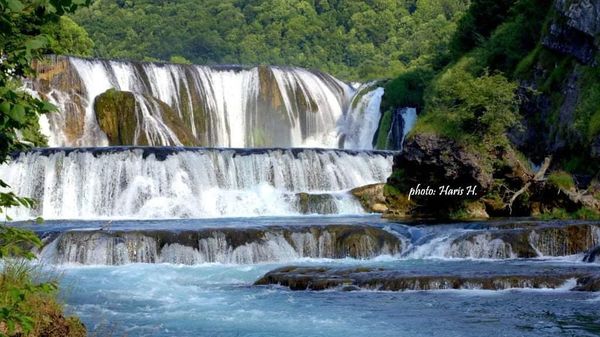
108,102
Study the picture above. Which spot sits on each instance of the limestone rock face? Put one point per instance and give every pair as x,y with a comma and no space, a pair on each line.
574,30
583,15
55,76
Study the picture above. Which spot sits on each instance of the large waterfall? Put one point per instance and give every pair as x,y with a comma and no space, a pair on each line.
194,182
218,106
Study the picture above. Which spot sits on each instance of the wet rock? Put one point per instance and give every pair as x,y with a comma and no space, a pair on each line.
588,283
593,255
312,203
119,115
56,75
526,242
371,197
435,162
321,278
574,29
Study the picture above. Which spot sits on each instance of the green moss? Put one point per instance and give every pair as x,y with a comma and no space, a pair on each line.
391,191
586,214
525,67
557,213
558,74
561,179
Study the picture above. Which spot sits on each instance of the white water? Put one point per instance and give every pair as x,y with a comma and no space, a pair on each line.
363,118
212,246
190,184
221,106
409,116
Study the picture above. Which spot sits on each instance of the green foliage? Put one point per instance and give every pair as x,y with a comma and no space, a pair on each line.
407,89
588,110
512,40
470,108
557,213
22,40
66,37
179,60
561,179
481,19
352,39
20,296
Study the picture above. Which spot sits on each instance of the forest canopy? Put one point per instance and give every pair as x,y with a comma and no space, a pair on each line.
354,40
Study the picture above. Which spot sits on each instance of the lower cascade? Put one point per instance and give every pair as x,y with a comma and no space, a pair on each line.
135,183
222,245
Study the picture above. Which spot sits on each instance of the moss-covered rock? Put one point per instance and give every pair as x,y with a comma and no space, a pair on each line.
119,116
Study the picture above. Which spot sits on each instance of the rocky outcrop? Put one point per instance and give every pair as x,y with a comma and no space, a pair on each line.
371,197
435,177
56,77
316,203
441,174
321,278
583,15
593,255
588,283
224,245
127,119
573,31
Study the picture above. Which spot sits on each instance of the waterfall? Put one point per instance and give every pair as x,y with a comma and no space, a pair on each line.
363,118
220,106
403,120
82,183
225,245
409,117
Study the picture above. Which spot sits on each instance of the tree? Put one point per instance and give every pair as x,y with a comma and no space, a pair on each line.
22,40
66,37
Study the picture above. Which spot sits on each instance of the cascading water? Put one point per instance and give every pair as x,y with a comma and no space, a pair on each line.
363,118
230,106
180,183
222,245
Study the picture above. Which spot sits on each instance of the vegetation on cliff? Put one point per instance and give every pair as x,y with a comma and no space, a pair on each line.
27,305
519,87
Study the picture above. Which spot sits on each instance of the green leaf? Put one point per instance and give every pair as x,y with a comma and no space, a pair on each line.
14,5
39,220
37,42
4,107
17,113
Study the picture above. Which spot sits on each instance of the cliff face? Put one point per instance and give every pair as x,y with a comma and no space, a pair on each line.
560,93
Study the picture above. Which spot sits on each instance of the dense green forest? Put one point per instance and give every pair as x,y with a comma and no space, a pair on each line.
354,40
